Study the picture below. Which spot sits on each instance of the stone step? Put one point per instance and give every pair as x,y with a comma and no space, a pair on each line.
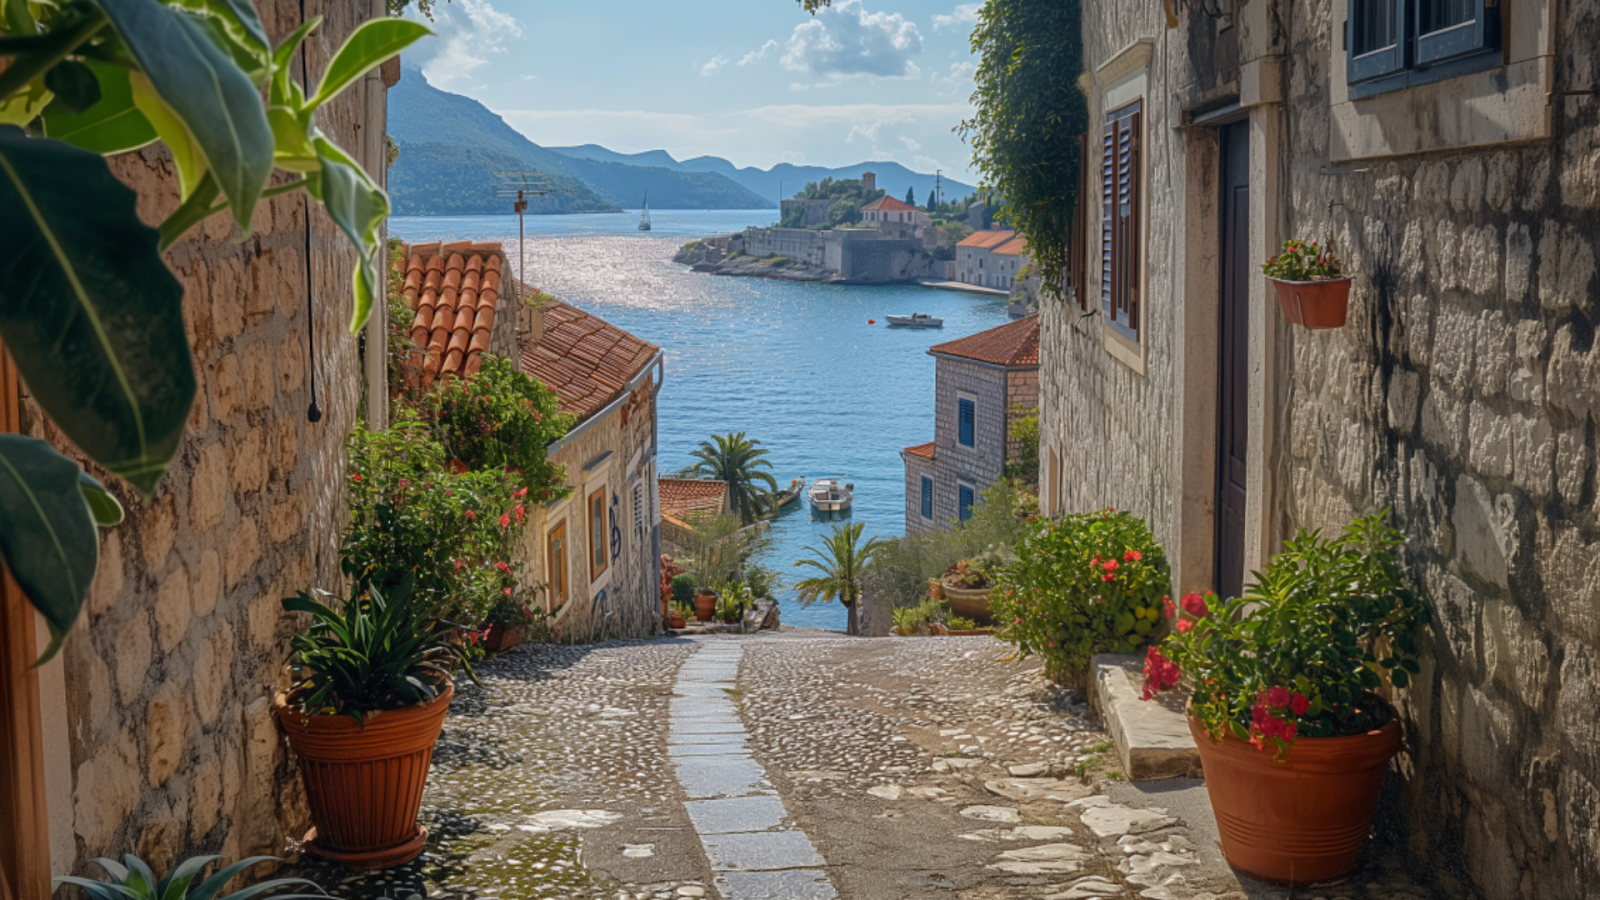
1152,736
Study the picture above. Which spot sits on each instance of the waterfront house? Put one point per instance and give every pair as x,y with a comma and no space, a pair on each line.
982,383
1448,151
991,258
887,210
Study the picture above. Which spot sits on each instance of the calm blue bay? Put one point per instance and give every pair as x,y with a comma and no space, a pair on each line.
793,365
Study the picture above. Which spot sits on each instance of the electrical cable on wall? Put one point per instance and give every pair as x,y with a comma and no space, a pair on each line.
313,412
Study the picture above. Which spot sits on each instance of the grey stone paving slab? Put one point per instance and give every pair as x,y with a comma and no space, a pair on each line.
703,709
737,748
703,777
1152,737
735,814
722,738
761,850
793,884
707,726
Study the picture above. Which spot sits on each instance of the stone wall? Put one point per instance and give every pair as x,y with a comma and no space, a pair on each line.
916,468
884,261
1022,399
983,463
168,676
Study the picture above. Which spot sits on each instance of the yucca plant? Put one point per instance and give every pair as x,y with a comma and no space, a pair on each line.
378,653
135,881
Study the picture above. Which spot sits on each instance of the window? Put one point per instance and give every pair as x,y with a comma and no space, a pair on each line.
1394,44
1120,176
966,420
927,497
641,513
597,533
964,501
555,558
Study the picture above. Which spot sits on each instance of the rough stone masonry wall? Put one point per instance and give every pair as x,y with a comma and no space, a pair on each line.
169,672
981,464
1464,392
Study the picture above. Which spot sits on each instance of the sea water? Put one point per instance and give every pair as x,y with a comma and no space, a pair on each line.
794,365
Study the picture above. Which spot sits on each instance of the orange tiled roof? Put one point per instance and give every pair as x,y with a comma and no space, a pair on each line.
1013,247
453,289
923,450
1014,344
683,497
889,203
988,239
586,360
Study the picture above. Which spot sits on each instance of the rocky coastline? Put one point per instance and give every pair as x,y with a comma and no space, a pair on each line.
711,260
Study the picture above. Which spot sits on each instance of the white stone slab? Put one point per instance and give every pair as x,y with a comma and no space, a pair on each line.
1152,736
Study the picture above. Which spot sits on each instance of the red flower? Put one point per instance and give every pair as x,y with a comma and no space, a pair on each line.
1184,626
1111,565
1108,577
508,592
472,516
1132,556
356,477
458,565
1299,703
1278,696
505,519
502,567
1195,605
1160,673
1166,602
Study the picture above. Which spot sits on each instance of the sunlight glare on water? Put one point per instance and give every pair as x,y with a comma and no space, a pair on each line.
794,365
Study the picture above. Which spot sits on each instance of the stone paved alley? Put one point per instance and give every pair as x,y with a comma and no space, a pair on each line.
796,766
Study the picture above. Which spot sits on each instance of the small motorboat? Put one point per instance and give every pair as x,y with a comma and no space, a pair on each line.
828,495
784,497
917,320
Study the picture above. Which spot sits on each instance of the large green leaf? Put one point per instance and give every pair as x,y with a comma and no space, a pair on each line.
26,104
47,535
285,92
114,125
88,310
374,41
358,207
204,88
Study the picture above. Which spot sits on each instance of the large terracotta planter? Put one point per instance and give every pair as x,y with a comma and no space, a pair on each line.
1314,304
364,781
968,603
1303,820
705,605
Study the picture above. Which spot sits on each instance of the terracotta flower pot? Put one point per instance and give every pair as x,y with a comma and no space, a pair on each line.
968,603
675,619
1303,820
705,605
1314,304
364,781
500,638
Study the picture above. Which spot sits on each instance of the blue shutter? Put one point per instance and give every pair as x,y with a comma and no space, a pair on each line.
967,418
927,497
1447,29
965,502
1375,39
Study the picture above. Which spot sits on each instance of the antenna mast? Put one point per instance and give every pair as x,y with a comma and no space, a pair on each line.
520,185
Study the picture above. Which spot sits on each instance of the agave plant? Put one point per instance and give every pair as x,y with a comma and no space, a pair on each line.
378,653
135,881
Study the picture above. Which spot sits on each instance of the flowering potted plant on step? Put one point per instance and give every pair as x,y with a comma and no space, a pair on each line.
507,623
966,585
370,685
1293,736
1312,290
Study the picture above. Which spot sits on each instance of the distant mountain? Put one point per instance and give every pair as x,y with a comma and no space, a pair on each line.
453,150
892,177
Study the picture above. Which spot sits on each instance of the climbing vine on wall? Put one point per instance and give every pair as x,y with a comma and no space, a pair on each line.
1029,116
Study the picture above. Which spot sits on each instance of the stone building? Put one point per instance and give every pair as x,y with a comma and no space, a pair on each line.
152,731
685,500
1454,168
983,383
991,259
889,211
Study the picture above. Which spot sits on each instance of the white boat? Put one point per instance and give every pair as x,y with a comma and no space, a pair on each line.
828,495
644,218
917,320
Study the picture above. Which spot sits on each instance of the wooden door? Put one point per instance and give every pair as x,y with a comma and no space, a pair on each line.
555,556
1233,425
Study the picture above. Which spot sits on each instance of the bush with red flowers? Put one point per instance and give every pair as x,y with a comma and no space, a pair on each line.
1081,585
501,418
1303,651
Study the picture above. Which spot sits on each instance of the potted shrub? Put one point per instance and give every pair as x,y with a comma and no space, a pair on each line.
1293,736
1082,584
967,583
705,604
370,685
682,586
507,622
678,615
1312,291
736,600
133,879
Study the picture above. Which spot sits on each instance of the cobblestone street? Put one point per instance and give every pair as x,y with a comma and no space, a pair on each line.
802,765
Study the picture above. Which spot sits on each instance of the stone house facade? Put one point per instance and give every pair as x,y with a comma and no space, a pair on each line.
991,259
1461,392
152,731
983,383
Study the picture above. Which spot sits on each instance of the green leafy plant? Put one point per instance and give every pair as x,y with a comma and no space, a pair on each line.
901,567
735,599
1303,651
501,418
1081,585
841,559
95,326
132,879
1022,464
741,463
1028,119
976,573
375,653
683,590
1301,261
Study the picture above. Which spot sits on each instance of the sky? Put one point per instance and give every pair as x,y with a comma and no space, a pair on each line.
757,82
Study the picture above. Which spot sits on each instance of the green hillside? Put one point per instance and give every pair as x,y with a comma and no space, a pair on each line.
431,179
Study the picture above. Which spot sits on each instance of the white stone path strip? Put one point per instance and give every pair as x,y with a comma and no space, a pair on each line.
735,810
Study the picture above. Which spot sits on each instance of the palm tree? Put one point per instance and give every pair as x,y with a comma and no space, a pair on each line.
738,461
841,559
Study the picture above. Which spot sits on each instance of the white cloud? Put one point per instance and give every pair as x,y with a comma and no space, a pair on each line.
467,31
844,40
960,73
716,63
793,156
926,164
964,15
910,144
767,49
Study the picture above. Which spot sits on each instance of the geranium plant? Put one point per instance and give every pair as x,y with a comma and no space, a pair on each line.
501,418
1081,585
1301,261
1302,653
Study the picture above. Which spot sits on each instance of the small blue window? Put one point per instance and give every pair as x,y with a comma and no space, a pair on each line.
964,495
966,419
927,497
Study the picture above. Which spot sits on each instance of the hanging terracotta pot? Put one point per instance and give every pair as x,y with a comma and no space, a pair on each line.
364,781
1314,304
705,604
1305,819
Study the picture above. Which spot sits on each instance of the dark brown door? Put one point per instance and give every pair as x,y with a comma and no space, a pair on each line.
1233,420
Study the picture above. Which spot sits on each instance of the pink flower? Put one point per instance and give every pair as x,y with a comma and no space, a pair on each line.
1299,703
1108,577
1195,605
1132,556
1184,626
505,519
1110,565
472,516
520,513
508,592
458,565
1278,696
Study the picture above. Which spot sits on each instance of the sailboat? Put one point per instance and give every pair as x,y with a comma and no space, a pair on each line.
644,218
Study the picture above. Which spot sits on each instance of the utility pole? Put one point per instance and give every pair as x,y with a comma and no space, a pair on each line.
520,185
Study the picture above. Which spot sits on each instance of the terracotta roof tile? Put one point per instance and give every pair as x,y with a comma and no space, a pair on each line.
584,359
1014,344
923,450
1013,247
453,288
989,239
890,204
683,497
